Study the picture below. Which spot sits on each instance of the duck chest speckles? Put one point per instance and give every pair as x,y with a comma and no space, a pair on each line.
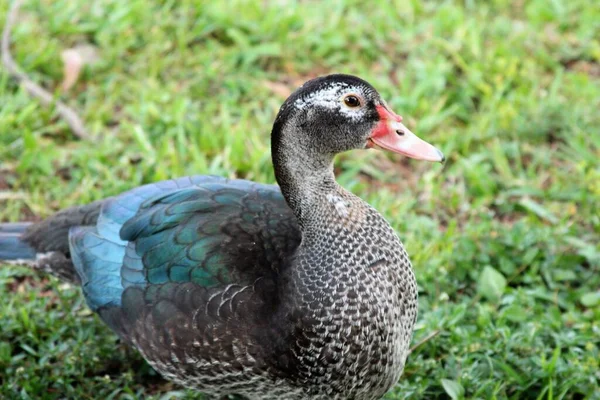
353,318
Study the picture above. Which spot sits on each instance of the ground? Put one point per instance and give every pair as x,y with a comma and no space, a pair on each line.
503,237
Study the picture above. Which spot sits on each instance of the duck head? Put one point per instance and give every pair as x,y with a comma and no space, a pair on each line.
336,113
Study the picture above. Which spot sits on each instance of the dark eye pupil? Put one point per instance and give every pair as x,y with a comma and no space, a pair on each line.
352,101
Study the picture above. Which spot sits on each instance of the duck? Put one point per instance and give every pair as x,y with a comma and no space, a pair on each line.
299,290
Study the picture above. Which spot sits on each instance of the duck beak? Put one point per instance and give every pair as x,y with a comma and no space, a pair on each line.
391,134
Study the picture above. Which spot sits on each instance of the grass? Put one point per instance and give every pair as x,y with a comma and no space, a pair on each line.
504,237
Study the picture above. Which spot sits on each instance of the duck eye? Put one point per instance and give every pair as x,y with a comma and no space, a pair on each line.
352,101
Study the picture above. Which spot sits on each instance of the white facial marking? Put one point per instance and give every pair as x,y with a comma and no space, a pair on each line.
332,97
340,204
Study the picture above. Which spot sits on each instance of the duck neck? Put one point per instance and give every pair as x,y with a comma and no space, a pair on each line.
305,179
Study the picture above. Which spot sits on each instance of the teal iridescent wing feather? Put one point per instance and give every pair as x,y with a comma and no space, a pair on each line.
207,231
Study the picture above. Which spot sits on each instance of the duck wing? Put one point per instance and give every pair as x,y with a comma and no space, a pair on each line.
172,264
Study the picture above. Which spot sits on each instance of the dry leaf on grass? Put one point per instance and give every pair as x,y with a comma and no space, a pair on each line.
278,88
74,60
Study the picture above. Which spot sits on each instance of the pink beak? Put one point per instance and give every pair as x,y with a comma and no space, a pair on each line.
391,134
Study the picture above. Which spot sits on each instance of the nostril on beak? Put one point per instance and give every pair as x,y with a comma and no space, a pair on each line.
399,132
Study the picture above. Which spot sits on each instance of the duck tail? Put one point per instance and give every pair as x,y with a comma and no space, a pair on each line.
13,249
